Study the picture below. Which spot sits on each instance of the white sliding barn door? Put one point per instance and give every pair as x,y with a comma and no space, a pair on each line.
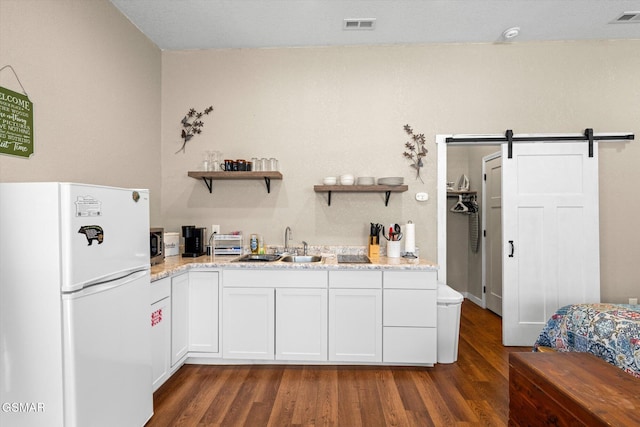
551,253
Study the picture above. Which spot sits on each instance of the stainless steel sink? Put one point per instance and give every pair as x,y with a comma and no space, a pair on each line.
257,258
302,258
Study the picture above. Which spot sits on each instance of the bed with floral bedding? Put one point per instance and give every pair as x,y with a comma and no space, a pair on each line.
609,331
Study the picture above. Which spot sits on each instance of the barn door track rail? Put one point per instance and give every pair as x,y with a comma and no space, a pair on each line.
510,138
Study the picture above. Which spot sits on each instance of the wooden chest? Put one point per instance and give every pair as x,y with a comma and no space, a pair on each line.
563,389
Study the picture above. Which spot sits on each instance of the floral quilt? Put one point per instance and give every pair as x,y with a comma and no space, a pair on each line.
609,331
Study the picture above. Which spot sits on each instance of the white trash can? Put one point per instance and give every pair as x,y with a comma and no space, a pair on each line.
449,303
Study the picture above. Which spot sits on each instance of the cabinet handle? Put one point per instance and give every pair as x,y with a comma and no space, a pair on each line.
513,249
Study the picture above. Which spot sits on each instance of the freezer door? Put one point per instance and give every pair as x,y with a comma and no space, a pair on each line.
104,233
107,354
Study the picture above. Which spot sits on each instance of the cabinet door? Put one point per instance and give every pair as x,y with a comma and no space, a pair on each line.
301,324
179,318
203,311
355,325
160,341
248,321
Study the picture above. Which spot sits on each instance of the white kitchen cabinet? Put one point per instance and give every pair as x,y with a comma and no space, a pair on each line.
275,314
355,325
179,318
410,307
410,345
355,316
248,323
203,311
160,331
410,317
301,324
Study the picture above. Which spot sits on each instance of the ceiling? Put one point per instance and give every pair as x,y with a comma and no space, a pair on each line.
220,24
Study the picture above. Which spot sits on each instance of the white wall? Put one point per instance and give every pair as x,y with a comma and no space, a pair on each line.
94,80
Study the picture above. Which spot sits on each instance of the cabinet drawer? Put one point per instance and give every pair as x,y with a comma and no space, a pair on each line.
355,279
411,279
410,345
410,307
160,289
274,278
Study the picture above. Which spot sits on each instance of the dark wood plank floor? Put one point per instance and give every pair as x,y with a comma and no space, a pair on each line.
473,391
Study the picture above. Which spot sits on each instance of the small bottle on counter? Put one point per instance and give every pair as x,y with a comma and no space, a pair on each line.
260,244
253,244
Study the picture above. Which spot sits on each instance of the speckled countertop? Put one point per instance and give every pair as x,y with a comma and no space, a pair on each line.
176,264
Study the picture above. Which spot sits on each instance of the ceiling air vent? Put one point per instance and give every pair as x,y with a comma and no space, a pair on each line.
627,18
359,24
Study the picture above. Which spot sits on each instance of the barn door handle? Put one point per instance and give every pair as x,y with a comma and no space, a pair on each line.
513,249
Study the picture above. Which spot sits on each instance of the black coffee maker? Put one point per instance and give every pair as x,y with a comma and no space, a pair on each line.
193,241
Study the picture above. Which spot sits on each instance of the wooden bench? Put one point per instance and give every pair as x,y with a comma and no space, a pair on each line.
563,389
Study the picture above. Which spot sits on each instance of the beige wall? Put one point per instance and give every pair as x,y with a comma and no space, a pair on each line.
94,80
98,85
328,111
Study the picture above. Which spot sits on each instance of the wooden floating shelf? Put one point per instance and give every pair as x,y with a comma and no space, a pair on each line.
387,189
208,177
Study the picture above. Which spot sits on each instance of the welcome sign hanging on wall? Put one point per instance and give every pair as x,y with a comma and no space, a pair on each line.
16,123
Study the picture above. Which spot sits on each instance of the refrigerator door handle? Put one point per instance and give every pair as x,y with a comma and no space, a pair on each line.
93,288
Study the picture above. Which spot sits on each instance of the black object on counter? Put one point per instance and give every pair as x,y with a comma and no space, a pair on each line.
193,241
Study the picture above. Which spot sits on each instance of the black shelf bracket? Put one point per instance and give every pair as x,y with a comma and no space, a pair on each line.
267,181
209,183
387,194
509,136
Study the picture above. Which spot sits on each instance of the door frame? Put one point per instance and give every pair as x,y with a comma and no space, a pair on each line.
441,191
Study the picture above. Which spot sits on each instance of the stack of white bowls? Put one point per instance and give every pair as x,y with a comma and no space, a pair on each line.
330,180
347,179
365,180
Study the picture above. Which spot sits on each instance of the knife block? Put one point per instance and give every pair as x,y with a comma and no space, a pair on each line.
374,252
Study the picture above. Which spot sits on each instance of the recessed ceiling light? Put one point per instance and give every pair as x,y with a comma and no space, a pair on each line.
511,33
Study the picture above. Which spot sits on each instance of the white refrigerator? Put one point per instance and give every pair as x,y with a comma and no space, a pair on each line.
74,306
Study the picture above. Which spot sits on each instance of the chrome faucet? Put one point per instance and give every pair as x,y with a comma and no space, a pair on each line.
288,235
305,246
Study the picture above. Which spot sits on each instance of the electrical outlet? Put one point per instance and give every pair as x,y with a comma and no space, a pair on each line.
633,301
215,229
422,197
